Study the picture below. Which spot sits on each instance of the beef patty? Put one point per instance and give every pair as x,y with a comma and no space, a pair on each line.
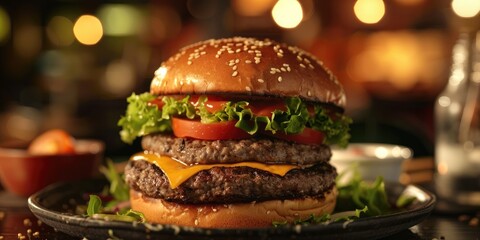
232,184
270,151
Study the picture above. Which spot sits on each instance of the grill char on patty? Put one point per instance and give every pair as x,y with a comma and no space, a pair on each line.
232,184
270,151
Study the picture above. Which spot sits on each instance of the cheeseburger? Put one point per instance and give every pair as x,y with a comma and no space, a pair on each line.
236,133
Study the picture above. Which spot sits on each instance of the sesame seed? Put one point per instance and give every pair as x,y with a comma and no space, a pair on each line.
277,70
238,50
280,79
301,65
283,69
288,69
279,55
237,60
234,67
231,64
189,62
234,74
203,53
260,80
248,88
272,72
306,60
309,93
248,61
250,51
299,58
231,51
310,66
217,56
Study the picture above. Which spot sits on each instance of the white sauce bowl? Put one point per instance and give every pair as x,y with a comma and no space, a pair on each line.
372,160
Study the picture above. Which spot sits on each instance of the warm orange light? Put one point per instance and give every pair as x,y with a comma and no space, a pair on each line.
287,13
369,11
88,30
395,59
466,8
252,7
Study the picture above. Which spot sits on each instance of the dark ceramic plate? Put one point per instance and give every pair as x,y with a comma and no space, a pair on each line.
54,205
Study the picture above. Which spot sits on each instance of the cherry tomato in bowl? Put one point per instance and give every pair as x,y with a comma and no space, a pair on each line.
24,173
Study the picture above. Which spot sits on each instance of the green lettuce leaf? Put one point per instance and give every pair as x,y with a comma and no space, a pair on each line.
118,187
357,194
142,118
94,205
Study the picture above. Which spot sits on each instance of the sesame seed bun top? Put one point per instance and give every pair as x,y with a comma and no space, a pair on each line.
247,66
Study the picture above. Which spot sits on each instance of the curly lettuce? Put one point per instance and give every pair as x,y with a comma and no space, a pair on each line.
142,117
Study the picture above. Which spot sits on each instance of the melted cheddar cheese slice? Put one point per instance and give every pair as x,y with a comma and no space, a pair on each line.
178,172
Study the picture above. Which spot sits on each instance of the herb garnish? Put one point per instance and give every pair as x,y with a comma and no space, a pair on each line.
117,208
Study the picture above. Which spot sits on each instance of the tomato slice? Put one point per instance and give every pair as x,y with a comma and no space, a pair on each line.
267,108
207,131
157,101
308,136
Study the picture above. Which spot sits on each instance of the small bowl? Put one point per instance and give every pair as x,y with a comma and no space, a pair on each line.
371,159
24,174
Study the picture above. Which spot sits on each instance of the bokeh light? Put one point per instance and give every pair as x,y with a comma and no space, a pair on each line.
88,30
287,13
466,8
59,31
120,19
4,25
119,78
251,8
369,11
395,58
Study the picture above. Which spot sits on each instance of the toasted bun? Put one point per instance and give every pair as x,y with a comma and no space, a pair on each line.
247,66
245,215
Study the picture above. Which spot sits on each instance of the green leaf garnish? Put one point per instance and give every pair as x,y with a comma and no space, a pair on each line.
356,194
404,201
139,217
118,188
94,205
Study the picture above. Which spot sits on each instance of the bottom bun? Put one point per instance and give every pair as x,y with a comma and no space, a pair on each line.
243,215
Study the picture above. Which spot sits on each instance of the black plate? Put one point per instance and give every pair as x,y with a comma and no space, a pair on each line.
54,205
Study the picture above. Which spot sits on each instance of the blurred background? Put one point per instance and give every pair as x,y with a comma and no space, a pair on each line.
71,64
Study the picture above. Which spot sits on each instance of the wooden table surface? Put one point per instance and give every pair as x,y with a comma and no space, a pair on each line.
17,222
